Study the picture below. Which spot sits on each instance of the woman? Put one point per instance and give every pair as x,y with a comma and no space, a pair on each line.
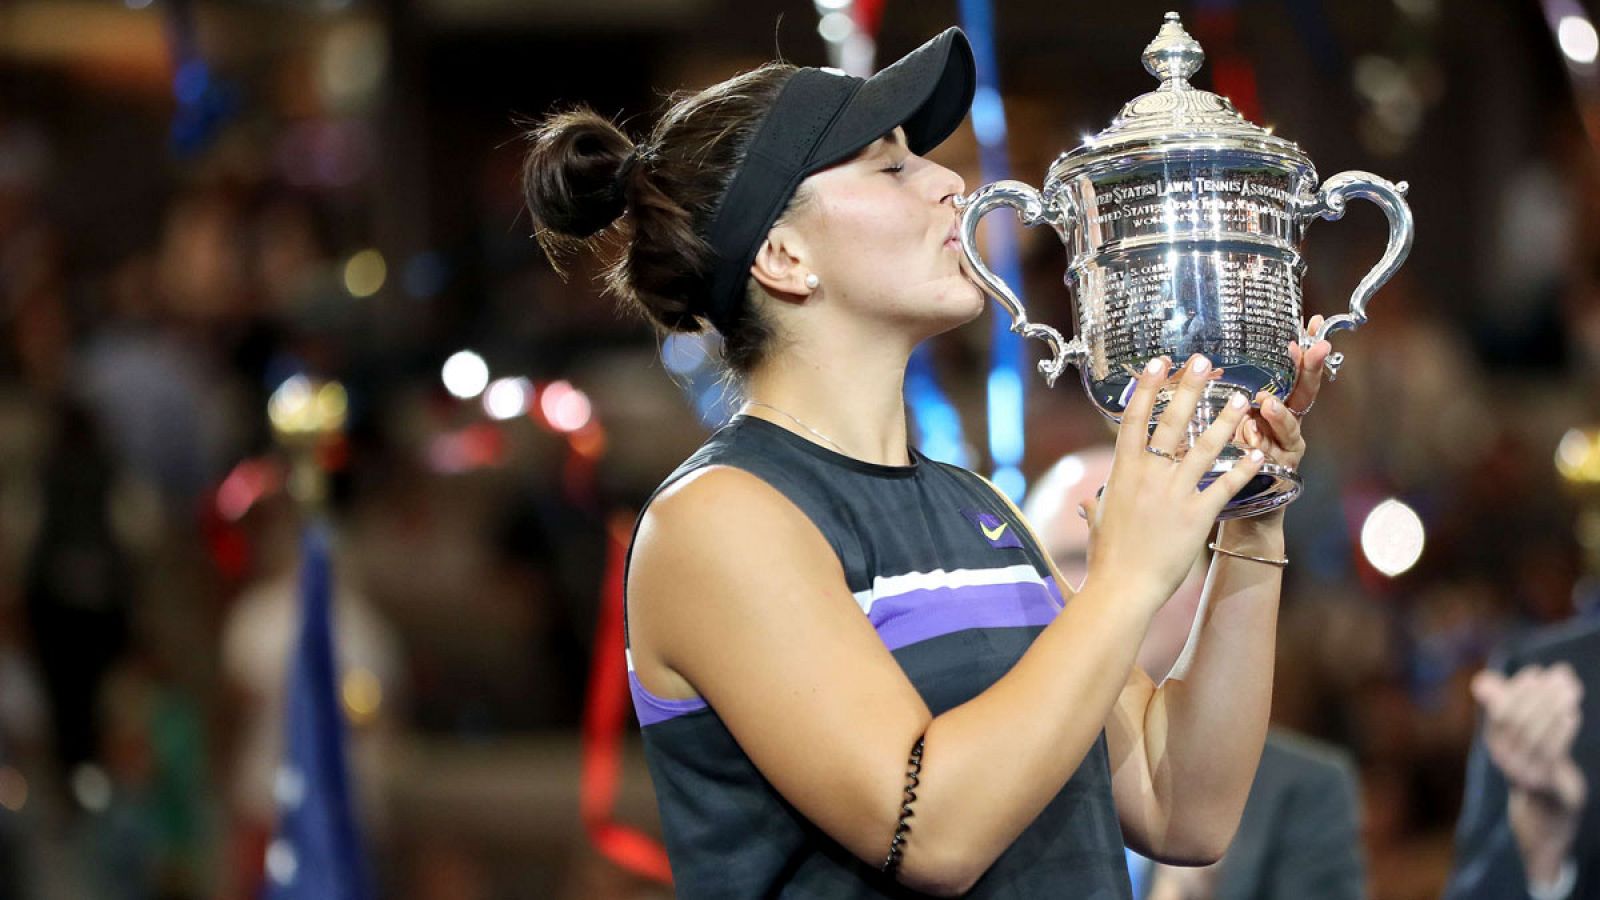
972,732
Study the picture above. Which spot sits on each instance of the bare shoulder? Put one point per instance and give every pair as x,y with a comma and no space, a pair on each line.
716,547
712,500
720,520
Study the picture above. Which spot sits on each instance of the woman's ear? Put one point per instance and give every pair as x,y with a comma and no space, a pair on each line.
779,265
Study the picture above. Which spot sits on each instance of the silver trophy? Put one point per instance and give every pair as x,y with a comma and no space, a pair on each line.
1183,223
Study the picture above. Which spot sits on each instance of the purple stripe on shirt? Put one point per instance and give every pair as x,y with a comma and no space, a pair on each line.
905,619
652,709
914,616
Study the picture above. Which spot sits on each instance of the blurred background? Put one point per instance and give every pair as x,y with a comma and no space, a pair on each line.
201,200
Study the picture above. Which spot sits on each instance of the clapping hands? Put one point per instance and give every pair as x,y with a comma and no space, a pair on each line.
1530,721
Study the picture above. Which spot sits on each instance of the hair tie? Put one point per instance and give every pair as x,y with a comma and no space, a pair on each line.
619,186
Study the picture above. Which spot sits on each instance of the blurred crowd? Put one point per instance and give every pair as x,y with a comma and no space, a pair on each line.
155,292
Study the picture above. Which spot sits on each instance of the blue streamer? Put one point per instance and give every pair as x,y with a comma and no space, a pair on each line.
1007,394
937,424
205,103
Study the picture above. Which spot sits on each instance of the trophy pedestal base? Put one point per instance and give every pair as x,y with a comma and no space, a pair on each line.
1275,485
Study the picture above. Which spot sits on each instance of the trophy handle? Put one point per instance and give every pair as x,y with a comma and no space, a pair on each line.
1032,210
1330,204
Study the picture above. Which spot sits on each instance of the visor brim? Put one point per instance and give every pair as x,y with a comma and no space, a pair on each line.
927,92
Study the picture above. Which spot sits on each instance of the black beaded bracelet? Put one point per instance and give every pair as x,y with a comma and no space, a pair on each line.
902,828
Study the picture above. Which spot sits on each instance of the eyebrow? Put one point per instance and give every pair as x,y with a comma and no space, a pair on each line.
889,139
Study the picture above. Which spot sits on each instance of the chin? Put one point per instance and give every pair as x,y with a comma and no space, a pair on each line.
956,307
970,300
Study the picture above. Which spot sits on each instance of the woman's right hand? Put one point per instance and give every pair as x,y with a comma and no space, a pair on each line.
1148,525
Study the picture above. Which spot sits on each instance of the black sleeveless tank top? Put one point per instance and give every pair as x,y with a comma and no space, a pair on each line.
957,590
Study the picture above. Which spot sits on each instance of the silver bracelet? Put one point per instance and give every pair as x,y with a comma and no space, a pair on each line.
1279,563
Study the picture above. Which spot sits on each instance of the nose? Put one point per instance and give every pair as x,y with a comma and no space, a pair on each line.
949,184
956,188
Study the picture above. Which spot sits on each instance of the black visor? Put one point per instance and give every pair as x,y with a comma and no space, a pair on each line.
823,117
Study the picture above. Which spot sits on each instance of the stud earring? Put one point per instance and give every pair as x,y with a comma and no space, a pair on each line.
812,281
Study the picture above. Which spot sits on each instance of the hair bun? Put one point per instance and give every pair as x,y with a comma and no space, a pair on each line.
569,178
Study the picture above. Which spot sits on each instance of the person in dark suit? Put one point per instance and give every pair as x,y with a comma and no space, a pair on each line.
1300,835
1526,827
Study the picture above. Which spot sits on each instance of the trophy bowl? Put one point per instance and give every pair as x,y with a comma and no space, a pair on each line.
1183,223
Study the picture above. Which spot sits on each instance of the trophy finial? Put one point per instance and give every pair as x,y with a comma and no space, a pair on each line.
1173,56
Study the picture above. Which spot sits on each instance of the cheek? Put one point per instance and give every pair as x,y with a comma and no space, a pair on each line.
873,222
868,250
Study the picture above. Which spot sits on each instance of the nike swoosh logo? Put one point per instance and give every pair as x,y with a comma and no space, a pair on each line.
995,534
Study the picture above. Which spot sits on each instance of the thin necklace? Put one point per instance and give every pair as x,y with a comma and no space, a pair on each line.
796,420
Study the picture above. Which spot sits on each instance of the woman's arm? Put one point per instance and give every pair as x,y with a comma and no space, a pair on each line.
734,592
1184,754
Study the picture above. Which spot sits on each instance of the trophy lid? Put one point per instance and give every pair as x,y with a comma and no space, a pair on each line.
1177,111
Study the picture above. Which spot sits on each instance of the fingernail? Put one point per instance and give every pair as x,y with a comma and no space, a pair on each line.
1199,364
1237,401
1270,404
1256,456
1154,365
1083,512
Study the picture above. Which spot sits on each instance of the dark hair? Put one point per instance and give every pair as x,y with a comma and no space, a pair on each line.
660,209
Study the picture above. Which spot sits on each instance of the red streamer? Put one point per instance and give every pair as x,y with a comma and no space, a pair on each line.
868,15
605,715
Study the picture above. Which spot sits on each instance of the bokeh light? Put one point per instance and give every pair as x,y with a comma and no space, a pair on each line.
684,354
565,407
1578,40
91,787
246,485
1578,456
13,789
465,375
365,273
835,26
282,863
362,695
301,407
507,398
1392,537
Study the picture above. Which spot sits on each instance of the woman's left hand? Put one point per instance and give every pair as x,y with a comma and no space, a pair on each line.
1272,426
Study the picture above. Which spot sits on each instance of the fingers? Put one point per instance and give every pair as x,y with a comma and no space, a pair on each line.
1568,679
1283,425
1487,688
1309,367
1088,508
1553,708
1216,436
1531,720
1232,481
1133,435
1250,432
1532,713
1549,735
1196,374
